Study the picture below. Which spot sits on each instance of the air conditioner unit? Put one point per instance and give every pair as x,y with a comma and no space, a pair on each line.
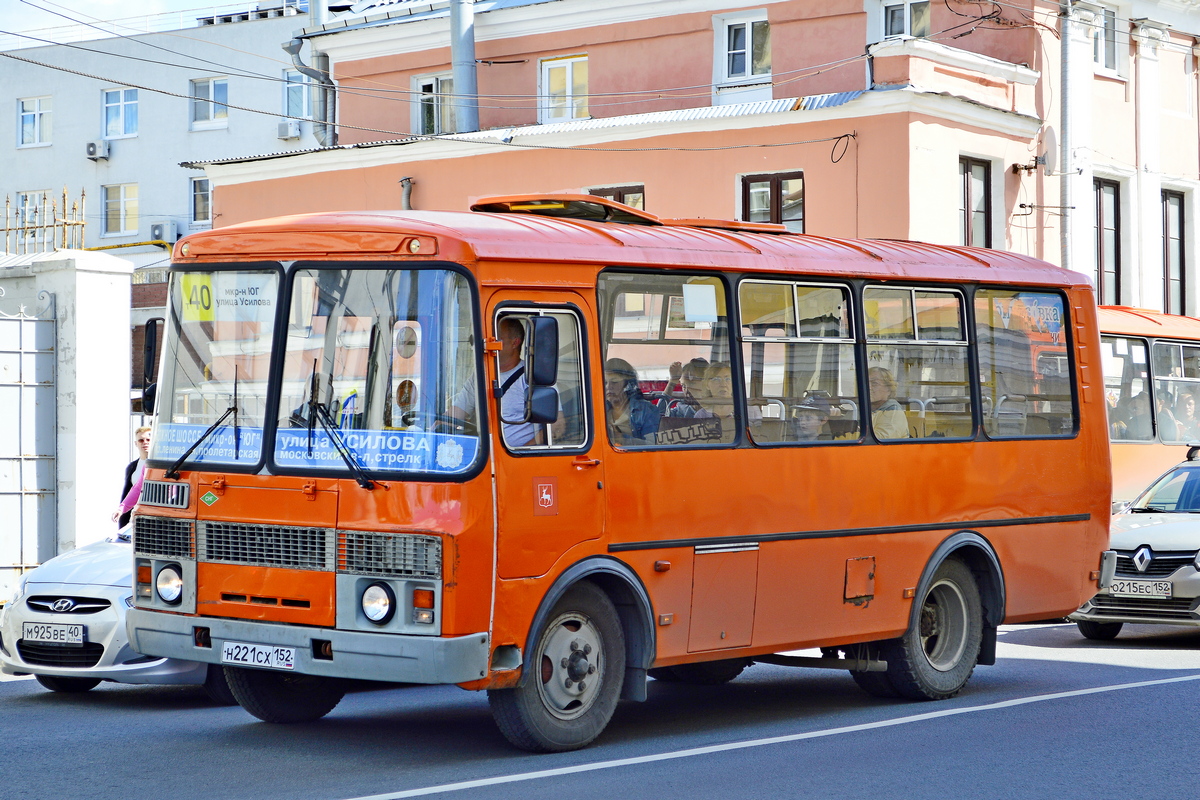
97,150
289,129
163,230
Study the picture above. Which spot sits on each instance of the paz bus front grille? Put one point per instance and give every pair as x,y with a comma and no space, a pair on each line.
165,494
266,545
163,536
399,555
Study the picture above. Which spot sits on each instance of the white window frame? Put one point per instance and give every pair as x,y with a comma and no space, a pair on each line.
440,97
193,186
218,115
122,105
745,88
907,33
124,201
43,120
295,81
545,112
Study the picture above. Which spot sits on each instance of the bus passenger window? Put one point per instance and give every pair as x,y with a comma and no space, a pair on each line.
1125,363
1177,392
667,378
917,364
1025,368
798,349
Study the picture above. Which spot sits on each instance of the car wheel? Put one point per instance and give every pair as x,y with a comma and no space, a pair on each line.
709,673
217,687
934,658
70,685
1100,631
275,697
578,668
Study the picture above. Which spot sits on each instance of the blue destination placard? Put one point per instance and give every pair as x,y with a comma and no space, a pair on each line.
385,451
172,439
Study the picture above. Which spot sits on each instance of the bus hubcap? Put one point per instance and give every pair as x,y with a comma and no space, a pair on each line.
571,666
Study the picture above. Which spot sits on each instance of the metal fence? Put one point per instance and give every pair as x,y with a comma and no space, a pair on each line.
34,223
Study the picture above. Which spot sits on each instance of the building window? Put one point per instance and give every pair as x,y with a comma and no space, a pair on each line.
295,95
34,114
120,113
564,89
1174,258
747,49
975,203
436,106
1104,39
201,201
120,209
774,198
209,98
1108,242
906,19
629,195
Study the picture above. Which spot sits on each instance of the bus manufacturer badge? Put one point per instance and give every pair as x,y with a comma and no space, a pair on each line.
545,497
209,498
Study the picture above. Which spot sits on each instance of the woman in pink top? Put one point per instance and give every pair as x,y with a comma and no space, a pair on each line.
133,477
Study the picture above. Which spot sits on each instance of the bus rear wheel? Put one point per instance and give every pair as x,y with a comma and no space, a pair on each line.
283,698
935,657
575,676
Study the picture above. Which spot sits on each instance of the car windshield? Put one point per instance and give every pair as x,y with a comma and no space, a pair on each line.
376,365
1177,492
217,359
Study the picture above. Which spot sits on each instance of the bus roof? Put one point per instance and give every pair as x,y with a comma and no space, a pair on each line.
1145,322
503,229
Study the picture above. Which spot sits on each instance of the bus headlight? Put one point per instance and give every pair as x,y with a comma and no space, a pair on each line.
379,603
169,584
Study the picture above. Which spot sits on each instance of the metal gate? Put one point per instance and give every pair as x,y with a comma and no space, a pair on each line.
28,427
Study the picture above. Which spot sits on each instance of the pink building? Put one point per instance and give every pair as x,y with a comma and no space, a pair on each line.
940,122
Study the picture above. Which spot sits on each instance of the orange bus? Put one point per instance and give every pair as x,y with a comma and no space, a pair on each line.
1151,364
557,446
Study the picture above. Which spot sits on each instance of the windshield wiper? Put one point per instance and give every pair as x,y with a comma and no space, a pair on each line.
1148,510
173,472
343,450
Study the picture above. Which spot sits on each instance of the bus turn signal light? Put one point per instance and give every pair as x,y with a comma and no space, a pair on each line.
422,598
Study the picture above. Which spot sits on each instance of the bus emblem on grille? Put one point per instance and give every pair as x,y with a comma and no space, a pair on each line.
1142,558
62,605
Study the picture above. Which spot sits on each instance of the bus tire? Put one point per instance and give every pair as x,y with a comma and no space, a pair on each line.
876,684
68,685
283,698
574,678
217,687
707,673
935,657
1099,631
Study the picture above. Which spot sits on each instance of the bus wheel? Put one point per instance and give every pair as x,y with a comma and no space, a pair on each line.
876,684
1100,631
56,684
217,687
578,667
276,697
936,656
708,673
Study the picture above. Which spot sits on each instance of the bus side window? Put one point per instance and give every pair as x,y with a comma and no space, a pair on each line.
570,430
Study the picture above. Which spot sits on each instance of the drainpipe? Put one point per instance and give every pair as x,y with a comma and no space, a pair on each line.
1064,132
406,193
326,112
462,59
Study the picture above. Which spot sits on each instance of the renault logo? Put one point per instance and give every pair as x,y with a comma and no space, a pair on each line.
62,605
1142,558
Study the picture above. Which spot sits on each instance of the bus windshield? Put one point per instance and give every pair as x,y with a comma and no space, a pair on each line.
218,359
376,365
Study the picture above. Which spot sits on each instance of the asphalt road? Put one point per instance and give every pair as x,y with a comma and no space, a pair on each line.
1058,716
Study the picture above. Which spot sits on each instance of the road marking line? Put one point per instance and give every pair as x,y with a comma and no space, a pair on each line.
794,737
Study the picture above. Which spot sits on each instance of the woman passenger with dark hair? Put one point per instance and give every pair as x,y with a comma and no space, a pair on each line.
632,419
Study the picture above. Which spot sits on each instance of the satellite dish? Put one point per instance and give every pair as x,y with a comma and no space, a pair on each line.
1049,151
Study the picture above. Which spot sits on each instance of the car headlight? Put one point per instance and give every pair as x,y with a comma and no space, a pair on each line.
379,603
19,589
169,584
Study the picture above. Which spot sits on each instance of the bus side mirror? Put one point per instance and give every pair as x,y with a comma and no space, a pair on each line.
543,404
541,356
149,395
149,361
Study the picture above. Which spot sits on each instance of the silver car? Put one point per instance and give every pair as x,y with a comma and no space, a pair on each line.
65,625
1157,577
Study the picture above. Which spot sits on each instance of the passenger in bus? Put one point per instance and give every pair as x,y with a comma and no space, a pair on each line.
1136,425
719,402
1168,426
887,415
1186,418
808,424
513,387
691,377
632,419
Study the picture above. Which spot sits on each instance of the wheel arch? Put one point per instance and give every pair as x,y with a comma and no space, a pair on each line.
634,610
977,553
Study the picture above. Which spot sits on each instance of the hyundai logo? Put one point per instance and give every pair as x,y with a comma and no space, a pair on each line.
1142,558
62,605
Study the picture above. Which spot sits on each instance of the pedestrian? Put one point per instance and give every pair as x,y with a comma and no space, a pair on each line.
133,477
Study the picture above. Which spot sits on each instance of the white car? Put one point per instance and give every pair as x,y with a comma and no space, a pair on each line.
65,625
1157,576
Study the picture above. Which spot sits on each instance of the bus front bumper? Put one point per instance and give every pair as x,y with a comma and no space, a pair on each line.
363,656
